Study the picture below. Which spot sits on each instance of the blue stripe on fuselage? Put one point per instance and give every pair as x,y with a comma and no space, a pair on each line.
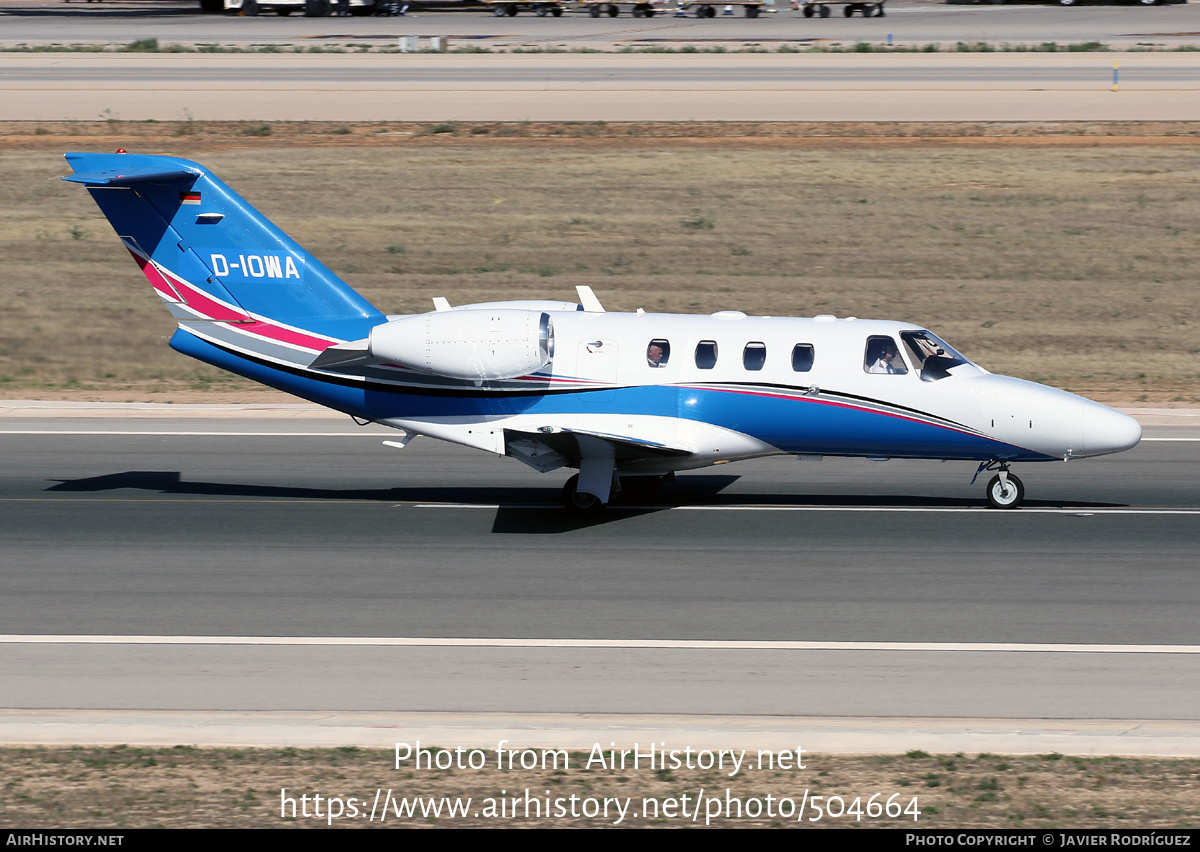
793,424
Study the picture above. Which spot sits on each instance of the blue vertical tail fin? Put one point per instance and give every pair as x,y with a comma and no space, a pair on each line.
214,258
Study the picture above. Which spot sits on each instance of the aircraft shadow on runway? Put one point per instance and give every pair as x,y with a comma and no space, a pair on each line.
535,510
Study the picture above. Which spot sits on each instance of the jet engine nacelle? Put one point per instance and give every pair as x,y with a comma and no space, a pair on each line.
470,344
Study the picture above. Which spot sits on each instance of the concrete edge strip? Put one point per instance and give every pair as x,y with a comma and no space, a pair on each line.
581,731
632,644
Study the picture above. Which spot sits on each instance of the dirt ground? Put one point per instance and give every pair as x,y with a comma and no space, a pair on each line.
127,787
1060,252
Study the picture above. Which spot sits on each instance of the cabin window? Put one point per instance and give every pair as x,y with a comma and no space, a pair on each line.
658,353
882,356
933,357
754,356
802,357
706,354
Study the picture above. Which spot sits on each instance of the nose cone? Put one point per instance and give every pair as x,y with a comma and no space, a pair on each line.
1108,431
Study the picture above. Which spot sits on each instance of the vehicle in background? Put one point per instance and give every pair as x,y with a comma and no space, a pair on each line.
308,8
824,8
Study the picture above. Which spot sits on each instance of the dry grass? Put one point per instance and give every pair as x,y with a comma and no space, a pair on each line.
1069,264
228,788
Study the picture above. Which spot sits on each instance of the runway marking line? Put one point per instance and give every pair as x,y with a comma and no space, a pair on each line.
390,433
1081,511
118,432
633,644
1078,512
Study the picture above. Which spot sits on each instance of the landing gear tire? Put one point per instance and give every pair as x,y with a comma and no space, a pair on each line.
1002,496
576,501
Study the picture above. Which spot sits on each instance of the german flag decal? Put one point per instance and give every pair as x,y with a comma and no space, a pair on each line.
189,198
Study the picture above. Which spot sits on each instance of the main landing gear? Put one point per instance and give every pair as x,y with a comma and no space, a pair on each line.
579,501
1004,490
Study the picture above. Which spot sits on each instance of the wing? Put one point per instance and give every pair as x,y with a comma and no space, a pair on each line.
566,447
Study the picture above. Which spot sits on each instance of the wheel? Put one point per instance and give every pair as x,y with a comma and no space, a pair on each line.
212,6
250,8
284,11
751,11
636,11
712,11
826,11
317,8
594,11
577,502
511,10
848,10
613,10
649,13
556,11
808,11
1005,498
499,11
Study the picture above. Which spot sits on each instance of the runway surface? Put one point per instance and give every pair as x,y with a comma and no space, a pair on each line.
600,87
606,85
909,598
42,22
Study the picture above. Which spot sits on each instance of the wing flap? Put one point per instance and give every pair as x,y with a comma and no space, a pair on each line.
548,450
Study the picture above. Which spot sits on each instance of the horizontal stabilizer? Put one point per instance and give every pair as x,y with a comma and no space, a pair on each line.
134,174
343,354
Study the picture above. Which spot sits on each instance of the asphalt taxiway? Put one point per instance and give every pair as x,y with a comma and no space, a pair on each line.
573,68
286,561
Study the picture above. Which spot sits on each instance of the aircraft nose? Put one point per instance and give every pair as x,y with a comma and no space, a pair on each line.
1108,431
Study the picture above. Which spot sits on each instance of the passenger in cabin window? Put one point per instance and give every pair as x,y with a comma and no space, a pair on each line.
658,353
883,357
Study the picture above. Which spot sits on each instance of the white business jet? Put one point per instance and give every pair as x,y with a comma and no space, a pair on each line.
625,398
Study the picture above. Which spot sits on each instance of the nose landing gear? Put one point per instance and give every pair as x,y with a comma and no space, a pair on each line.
1005,490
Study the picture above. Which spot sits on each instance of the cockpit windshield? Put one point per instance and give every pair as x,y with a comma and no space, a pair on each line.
933,357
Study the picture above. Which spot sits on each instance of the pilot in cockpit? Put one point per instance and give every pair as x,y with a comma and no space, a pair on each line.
882,357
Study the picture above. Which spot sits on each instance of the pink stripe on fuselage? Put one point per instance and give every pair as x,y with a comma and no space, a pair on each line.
175,288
